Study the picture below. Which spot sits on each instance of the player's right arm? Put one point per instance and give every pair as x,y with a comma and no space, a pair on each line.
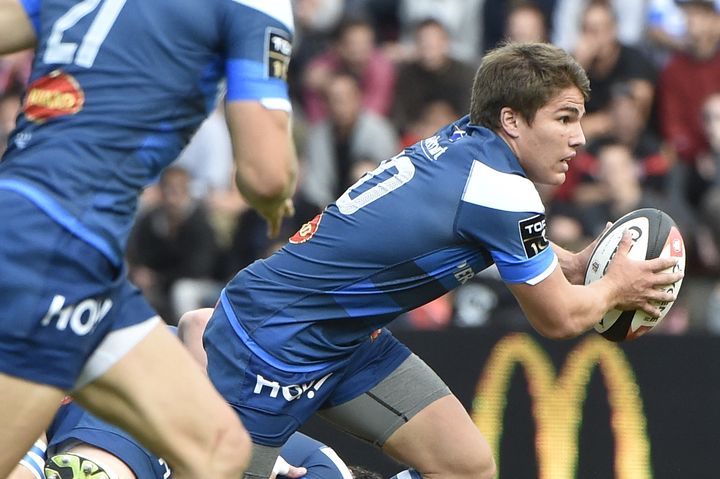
265,159
16,25
558,309
258,38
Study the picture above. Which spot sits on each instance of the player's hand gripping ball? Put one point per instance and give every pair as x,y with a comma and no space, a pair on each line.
654,235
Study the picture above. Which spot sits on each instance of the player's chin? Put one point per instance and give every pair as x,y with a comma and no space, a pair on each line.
555,179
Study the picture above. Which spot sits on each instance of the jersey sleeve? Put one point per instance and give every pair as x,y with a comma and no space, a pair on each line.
32,8
504,214
258,42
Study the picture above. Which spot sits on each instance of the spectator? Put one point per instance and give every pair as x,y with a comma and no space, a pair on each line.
353,51
567,21
629,127
608,61
170,242
432,76
708,169
666,28
616,189
434,116
208,157
689,78
15,69
461,18
351,141
516,20
315,20
526,22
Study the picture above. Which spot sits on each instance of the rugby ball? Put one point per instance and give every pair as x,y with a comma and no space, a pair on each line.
654,235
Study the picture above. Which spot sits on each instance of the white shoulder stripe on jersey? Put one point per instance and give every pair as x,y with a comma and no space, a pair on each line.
501,191
544,274
276,104
342,468
280,10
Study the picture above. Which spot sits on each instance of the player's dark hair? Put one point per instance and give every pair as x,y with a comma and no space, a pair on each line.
524,77
362,473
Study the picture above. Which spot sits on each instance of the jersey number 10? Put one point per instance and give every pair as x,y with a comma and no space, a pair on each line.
83,55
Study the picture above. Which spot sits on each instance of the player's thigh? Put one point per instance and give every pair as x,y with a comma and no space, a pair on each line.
413,416
26,411
441,440
159,394
55,296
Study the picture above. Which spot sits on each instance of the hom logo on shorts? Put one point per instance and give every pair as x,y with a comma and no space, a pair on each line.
82,317
291,392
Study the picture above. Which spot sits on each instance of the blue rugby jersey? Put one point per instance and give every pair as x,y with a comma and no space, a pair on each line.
117,89
418,226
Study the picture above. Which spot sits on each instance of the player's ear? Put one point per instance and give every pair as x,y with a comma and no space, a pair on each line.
509,121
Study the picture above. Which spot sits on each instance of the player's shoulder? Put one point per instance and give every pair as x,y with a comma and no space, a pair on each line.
495,178
259,10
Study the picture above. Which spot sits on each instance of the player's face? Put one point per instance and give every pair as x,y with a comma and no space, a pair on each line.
546,146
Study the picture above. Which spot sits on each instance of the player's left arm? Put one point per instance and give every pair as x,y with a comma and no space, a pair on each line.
573,265
16,25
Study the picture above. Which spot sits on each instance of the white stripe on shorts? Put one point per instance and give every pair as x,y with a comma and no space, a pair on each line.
115,345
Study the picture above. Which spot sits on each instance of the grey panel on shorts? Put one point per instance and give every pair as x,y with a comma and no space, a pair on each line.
375,415
262,462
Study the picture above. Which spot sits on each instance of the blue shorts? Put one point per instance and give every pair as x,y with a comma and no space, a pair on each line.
59,296
274,403
73,424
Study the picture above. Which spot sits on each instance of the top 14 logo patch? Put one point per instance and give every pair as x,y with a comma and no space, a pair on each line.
532,233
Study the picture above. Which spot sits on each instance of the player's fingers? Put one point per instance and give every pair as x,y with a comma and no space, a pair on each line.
662,296
661,264
296,472
625,243
666,279
274,226
652,310
289,208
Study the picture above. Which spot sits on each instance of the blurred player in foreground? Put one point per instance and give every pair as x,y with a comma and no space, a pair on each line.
117,89
300,332
81,446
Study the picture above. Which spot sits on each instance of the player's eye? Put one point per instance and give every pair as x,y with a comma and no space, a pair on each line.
565,120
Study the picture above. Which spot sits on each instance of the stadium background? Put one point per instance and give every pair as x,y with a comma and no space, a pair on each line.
650,409
406,85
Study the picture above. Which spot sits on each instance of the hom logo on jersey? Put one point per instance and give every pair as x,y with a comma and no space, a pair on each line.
432,147
56,94
81,318
532,232
290,392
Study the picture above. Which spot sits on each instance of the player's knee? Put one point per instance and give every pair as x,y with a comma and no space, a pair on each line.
479,467
467,466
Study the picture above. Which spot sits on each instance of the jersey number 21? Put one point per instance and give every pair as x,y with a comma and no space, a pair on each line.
83,54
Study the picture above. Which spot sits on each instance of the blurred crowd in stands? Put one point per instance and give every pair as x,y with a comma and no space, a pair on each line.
369,77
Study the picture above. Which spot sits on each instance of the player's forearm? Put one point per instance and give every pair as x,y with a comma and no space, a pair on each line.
266,186
265,158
